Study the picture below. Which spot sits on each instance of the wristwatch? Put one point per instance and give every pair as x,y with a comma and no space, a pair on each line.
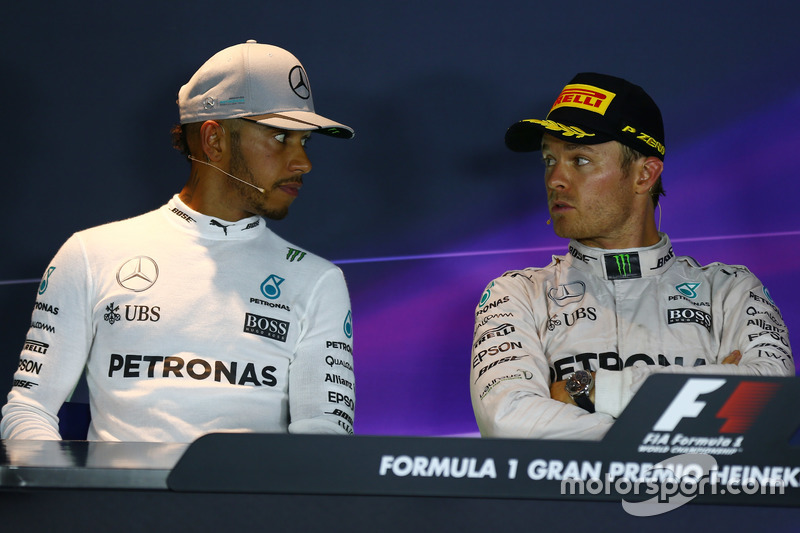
579,385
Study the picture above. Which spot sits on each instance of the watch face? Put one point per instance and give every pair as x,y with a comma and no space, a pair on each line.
579,383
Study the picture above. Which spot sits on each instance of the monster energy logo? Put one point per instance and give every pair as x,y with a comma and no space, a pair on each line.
293,254
622,266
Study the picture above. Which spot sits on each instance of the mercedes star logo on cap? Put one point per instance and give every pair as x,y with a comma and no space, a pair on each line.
297,80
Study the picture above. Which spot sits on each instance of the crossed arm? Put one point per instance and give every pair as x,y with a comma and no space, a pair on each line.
558,390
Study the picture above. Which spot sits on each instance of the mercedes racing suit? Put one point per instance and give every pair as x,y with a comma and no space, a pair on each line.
185,325
622,313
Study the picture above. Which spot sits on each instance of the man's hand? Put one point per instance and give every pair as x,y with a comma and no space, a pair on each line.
558,391
733,358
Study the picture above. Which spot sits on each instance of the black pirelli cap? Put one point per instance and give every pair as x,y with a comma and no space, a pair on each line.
593,109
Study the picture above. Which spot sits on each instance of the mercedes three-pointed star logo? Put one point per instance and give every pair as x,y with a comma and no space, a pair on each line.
298,81
138,274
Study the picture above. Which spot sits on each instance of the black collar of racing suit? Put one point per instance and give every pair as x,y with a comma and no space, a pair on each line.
632,263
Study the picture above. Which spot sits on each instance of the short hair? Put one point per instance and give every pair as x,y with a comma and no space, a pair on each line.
179,141
181,134
629,156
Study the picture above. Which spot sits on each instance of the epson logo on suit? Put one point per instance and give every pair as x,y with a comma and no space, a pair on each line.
265,326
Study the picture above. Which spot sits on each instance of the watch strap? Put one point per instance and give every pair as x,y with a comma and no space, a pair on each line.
584,402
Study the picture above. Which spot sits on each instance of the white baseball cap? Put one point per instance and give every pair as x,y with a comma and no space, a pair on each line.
259,82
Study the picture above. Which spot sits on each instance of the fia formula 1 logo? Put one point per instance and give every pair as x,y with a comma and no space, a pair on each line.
739,412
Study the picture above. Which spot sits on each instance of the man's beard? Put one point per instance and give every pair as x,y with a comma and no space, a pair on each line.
257,201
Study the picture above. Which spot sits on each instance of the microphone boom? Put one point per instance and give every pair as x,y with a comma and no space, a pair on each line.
259,189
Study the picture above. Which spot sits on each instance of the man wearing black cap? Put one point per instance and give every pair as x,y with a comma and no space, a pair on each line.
196,318
559,351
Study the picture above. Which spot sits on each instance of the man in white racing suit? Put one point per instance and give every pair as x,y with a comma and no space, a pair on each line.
196,318
559,351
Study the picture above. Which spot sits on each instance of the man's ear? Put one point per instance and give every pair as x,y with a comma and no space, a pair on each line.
648,174
213,140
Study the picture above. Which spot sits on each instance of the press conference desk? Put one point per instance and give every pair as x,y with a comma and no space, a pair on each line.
81,486
227,482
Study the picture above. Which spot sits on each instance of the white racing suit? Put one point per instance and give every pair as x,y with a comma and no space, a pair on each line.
186,325
622,313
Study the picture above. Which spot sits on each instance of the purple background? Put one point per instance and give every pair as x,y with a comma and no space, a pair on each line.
425,205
